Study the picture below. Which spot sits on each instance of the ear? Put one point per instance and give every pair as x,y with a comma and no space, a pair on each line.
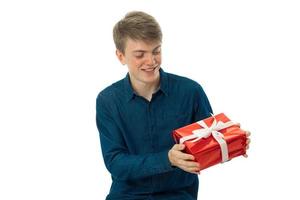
120,56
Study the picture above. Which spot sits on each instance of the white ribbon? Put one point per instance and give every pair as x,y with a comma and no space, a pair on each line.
213,130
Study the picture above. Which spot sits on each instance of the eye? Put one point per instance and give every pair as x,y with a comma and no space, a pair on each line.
139,55
156,52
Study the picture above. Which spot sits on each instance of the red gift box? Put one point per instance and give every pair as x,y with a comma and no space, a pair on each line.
213,140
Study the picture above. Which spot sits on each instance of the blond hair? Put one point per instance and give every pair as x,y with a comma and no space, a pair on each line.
136,25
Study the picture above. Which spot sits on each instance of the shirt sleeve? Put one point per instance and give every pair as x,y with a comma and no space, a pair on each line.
118,160
203,108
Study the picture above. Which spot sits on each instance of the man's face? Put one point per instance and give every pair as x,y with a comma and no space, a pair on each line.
143,61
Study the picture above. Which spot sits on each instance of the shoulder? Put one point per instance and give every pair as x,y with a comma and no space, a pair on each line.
185,87
183,83
111,92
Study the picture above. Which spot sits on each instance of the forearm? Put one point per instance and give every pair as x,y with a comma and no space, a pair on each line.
119,160
124,166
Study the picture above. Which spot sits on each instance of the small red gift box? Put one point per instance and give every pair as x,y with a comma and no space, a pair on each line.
213,140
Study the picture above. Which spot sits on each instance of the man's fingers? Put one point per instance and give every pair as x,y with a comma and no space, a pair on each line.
185,156
191,169
189,164
180,155
248,141
248,133
183,160
178,147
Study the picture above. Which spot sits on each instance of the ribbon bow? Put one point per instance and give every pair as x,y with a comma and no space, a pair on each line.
213,130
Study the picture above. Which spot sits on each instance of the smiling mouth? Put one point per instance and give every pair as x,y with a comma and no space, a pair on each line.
149,69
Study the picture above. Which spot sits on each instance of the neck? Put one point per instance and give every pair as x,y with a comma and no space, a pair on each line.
144,89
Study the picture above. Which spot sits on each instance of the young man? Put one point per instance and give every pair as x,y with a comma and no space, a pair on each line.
136,116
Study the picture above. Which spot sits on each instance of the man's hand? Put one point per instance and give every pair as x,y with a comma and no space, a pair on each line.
182,160
186,161
247,142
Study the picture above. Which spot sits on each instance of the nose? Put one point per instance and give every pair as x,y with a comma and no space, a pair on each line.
150,60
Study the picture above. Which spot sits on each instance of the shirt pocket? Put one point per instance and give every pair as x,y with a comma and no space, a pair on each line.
174,120
166,123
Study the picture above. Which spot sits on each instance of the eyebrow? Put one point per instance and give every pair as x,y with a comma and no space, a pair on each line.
143,51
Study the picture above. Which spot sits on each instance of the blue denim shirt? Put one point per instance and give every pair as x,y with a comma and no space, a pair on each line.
136,135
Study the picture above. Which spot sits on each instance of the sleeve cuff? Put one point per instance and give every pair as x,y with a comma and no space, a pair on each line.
165,164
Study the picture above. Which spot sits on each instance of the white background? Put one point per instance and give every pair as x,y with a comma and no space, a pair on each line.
55,56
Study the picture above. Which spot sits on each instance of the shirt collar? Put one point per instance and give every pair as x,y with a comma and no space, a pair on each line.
164,85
